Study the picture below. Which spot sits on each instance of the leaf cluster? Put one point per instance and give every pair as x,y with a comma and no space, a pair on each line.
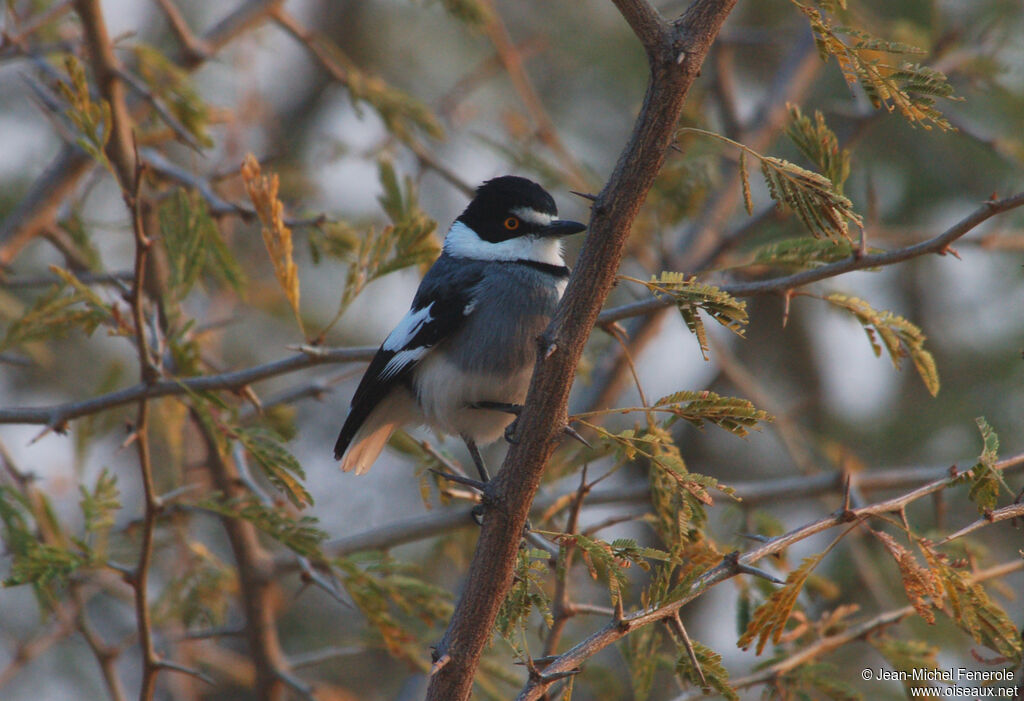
901,338
194,244
171,84
910,88
526,595
297,533
392,599
690,295
985,480
278,464
408,240
277,237
57,312
90,118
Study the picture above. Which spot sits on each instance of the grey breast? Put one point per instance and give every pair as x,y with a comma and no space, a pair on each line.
513,305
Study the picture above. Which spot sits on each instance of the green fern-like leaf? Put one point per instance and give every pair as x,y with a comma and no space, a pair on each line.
820,145
900,337
55,313
172,85
279,465
397,603
100,504
821,208
815,199
733,414
92,120
770,618
298,533
715,673
909,88
527,595
194,245
969,606
691,296
907,656
986,481
819,680
407,241
803,253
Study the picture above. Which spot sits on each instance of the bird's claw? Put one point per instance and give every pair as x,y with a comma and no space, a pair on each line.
467,481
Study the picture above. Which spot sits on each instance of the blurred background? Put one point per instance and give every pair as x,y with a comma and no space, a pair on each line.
448,94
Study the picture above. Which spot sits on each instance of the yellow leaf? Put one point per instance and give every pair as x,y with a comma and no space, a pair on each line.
277,237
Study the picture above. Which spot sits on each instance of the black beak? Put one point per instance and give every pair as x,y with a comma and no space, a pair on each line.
562,227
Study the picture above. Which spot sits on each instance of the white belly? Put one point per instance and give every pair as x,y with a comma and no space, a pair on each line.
446,393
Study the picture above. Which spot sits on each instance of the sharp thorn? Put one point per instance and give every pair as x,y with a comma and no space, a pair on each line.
573,433
758,572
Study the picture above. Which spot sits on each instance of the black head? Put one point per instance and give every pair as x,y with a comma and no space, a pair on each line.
508,207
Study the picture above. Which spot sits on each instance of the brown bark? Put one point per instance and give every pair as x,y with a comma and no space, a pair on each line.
675,51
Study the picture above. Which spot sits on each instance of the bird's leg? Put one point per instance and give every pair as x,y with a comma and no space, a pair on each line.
478,460
516,410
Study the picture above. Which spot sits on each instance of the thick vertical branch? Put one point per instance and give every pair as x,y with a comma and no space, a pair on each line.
675,51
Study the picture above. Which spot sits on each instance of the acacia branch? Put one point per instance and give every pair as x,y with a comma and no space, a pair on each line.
57,416
750,493
39,206
858,632
730,567
939,244
675,52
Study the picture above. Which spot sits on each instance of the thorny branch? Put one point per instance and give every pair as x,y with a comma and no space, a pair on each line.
939,244
858,632
751,494
728,568
57,416
675,52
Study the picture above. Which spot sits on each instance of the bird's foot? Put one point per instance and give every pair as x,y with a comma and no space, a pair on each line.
461,479
516,410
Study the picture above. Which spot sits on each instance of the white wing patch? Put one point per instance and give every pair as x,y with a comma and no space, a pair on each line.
407,329
401,360
399,340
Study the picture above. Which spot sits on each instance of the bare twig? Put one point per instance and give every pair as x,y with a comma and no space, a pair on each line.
56,417
1004,514
939,244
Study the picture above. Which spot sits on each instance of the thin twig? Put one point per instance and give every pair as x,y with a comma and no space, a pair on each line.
730,567
939,244
858,632
57,416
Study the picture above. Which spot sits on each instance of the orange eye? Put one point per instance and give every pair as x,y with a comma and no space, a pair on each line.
512,223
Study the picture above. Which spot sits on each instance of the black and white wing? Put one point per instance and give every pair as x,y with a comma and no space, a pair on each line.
438,311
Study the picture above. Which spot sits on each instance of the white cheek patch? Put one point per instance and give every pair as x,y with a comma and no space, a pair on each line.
533,216
463,242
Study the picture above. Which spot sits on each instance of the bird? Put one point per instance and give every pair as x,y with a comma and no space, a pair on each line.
460,361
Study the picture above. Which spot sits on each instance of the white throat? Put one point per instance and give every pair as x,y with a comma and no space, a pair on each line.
463,242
